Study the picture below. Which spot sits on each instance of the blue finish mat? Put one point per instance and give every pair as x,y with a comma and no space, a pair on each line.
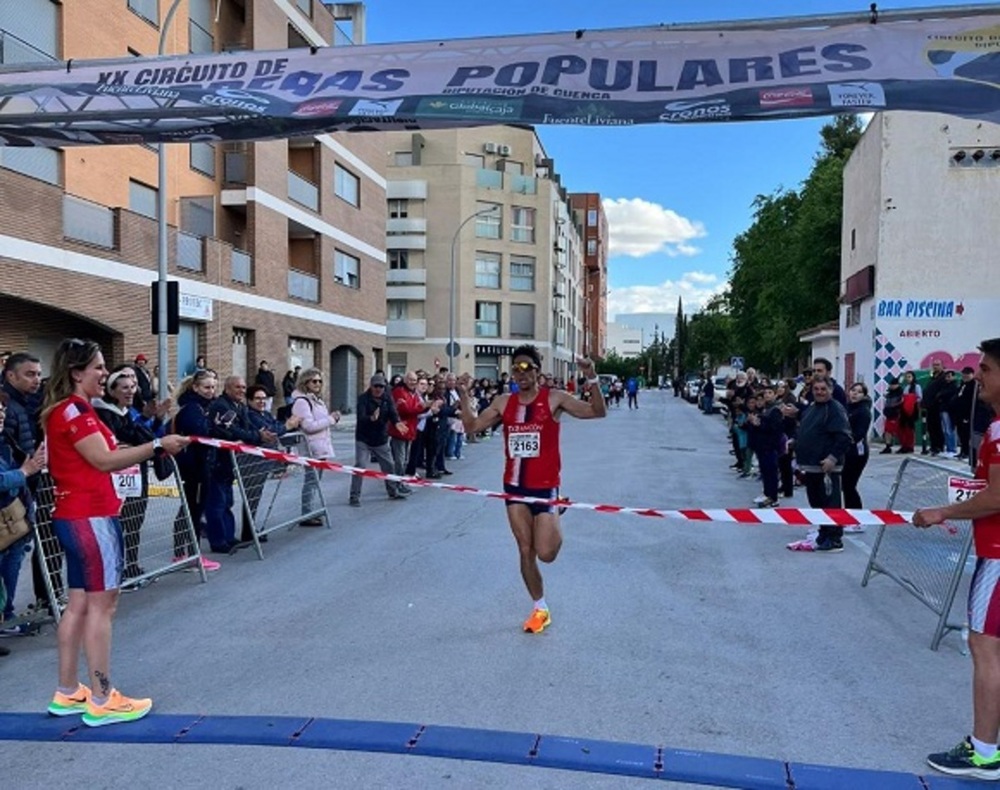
461,743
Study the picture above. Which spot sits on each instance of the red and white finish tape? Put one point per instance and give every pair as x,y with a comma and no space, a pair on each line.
790,516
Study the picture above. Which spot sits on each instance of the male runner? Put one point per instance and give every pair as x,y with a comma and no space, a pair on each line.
530,420
977,754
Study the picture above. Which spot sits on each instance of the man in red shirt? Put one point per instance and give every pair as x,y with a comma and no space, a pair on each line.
530,420
977,754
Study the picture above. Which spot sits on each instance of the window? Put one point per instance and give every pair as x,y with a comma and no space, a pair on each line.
854,238
198,215
487,269
346,269
399,259
591,217
203,158
591,246
201,18
346,185
147,9
522,273
396,309
398,209
853,314
488,225
510,166
402,158
522,226
476,160
522,320
142,199
487,319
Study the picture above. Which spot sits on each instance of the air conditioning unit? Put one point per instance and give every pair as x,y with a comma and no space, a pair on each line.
490,148
503,150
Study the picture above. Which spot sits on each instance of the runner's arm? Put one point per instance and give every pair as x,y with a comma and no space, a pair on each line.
582,410
487,418
984,503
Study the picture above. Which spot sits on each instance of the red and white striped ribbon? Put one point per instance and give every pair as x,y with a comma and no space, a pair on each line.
790,516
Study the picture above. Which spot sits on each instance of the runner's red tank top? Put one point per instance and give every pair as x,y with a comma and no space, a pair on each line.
531,443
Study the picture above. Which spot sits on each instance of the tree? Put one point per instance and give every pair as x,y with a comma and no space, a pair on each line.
786,266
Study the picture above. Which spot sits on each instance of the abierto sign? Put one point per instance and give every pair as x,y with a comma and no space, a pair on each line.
592,78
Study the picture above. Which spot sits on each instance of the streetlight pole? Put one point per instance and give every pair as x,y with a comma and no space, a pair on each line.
162,348
451,301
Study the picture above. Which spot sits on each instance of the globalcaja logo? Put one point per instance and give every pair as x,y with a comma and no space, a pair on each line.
470,108
375,107
696,110
316,107
786,97
857,94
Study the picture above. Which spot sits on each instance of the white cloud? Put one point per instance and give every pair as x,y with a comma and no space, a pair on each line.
638,228
694,289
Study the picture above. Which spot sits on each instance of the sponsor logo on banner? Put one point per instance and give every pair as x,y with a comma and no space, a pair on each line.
318,107
786,97
696,110
478,108
375,107
857,94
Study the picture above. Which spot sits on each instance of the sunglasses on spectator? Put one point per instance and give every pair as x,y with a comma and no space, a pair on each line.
525,366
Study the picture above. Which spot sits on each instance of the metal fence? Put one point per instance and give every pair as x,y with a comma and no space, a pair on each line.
276,495
157,533
927,563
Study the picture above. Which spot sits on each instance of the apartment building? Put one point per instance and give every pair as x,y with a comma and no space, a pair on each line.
278,246
480,213
591,217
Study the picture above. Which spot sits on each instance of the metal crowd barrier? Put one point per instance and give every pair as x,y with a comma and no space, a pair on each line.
158,538
276,495
927,563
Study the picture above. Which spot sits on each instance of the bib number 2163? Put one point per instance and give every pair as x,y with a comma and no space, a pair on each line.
524,445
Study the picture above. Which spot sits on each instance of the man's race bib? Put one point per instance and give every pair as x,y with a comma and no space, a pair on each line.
524,445
962,488
127,482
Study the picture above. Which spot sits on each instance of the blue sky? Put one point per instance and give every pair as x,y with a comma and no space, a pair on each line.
679,194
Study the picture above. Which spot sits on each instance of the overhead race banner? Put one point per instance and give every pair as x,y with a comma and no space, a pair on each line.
587,78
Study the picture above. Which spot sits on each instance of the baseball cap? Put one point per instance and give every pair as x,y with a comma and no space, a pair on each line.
141,358
377,380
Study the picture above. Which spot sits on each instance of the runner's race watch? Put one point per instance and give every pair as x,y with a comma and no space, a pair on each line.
158,447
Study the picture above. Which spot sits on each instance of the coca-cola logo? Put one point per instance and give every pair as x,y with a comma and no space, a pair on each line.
786,97
318,107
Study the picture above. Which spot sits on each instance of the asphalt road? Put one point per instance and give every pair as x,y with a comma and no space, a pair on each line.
691,635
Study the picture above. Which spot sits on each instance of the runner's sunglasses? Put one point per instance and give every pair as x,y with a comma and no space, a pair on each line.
525,366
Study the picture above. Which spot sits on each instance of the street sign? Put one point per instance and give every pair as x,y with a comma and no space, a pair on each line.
736,363
452,349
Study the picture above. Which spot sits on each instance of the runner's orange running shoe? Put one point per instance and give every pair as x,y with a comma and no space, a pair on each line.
118,708
69,704
538,622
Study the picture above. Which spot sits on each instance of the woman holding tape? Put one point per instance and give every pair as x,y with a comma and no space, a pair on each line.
82,452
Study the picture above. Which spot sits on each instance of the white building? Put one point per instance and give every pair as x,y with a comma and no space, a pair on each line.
920,243
624,340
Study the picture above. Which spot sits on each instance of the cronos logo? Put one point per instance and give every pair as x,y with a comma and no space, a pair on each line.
696,110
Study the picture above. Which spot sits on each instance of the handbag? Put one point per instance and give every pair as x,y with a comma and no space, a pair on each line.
13,523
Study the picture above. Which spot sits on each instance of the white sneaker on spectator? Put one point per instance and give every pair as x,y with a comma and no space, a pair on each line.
757,500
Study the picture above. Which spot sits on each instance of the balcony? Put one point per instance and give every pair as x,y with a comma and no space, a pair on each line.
406,190
523,185
489,179
303,286
406,225
406,277
406,293
190,252
303,192
241,267
407,328
416,242
88,222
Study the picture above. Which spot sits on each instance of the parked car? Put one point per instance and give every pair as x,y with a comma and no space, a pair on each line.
692,389
719,382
